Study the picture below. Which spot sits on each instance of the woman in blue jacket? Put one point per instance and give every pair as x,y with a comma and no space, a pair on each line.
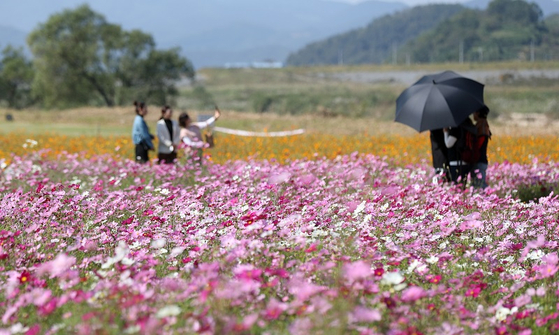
140,134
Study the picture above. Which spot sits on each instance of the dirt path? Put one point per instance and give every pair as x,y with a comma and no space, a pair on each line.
407,78
119,121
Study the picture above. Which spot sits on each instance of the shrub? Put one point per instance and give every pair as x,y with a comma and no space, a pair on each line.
534,191
261,102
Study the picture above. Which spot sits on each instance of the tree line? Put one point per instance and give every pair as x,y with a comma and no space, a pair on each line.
506,30
78,58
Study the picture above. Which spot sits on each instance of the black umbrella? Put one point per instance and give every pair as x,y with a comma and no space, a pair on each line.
439,100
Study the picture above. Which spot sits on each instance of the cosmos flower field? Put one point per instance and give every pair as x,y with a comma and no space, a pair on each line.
355,244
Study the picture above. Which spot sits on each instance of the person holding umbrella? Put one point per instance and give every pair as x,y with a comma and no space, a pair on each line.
439,153
442,101
454,139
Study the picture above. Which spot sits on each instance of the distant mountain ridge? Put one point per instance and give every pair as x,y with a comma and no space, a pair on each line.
377,41
213,32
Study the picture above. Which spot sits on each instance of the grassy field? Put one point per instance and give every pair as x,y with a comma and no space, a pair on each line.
118,122
320,90
288,98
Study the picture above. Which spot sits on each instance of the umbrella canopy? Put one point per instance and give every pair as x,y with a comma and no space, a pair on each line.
439,100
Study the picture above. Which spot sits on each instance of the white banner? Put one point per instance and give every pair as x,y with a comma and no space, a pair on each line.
259,134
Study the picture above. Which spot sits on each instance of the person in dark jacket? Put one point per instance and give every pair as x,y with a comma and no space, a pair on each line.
140,134
439,153
478,174
459,168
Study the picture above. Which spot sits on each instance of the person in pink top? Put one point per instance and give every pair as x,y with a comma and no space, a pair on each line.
191,135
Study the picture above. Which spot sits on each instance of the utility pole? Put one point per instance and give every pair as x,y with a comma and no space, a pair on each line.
532,51
480,50
340,56
408,59
394,53
461,52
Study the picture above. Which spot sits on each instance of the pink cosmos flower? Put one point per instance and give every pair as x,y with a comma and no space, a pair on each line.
473,292
551,258
434,279
274,309
363,314
356,271
547,270
303,290
36,329
522,300
301,327
40,296
49,307
311,248
24,277
247,272
279,178
413,293
501,330
57,266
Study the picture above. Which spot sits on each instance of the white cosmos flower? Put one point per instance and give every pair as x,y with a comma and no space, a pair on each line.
176,251
18,328
400,287
432,260
171,310
535,255
132,330
359,208
121,251
158,243
127,261
415,264
392,278
503,312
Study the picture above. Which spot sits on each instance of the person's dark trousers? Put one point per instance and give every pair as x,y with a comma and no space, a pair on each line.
141,154
167,158
459,173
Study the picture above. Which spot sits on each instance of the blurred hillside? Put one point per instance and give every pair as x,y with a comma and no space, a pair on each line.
376,42
506,30
210,32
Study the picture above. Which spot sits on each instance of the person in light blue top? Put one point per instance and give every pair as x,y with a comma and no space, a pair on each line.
140,134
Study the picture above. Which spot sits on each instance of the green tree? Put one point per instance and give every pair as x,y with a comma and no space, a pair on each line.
514,12
508,29
81,59
16,76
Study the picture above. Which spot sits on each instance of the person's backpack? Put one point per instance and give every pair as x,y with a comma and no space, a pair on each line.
468,147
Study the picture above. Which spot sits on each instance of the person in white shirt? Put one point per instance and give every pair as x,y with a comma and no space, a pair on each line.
191,135
168,134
